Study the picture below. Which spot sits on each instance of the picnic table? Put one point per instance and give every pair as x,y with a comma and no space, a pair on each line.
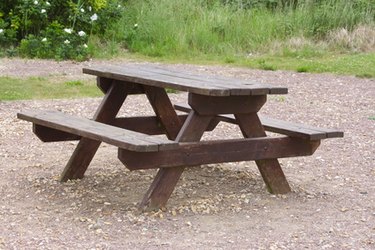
210,100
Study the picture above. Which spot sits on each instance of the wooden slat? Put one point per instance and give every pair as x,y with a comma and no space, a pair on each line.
86,148
133,75
281,127
210,152
95,130
237,86
150,124
167,178
163,108
182,81
270,168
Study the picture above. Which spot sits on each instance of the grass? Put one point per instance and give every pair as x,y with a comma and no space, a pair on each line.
44,88
191,28
361,65
334,36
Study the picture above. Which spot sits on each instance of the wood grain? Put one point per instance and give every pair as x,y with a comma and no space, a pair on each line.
86,148
279,126
121,138
219,151
167,178
270,169
178,80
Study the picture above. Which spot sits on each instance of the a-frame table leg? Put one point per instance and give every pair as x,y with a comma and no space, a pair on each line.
167,178
270,169
86,148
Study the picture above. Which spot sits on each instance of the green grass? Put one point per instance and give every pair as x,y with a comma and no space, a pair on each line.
45,88
191,28
308,38
361,65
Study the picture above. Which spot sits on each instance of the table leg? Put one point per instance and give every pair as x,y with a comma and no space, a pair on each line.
167,178
86,148
164,110
270,169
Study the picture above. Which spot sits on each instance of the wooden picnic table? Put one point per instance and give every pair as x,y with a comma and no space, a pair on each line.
210,100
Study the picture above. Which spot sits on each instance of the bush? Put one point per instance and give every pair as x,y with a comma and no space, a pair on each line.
53,28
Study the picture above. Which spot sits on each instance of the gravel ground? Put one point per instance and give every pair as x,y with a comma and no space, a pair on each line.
222,206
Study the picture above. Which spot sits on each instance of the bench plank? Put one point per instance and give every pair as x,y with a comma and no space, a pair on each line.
121,138
282,127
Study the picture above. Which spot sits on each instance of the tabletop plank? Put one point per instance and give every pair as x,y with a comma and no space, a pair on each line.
203,84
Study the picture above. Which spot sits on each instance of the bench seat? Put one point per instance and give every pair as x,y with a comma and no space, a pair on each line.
282,127
76,126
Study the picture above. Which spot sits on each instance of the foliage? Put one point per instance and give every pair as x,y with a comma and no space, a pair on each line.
233,27
53,28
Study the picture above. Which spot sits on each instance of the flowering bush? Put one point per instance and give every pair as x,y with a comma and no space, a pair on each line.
53,28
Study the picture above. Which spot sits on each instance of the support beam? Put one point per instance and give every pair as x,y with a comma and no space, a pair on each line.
167,178
219,151
270,169
215,105
86,148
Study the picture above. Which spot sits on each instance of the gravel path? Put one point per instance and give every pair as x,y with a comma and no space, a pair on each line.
221,206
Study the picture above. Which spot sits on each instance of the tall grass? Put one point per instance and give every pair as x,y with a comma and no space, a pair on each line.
190,28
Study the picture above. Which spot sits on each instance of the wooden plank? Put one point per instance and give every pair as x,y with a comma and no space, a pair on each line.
219,151
166,179
270,169
86,148
213,105
105,83
46,134
95,130
199,84
237,86
164,110
134,75
281,127
150,124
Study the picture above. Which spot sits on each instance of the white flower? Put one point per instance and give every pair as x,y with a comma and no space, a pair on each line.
1,31
119,6
94,17
69,31
81,33
48,4
36,2
43,11
136,25
44,40
85,46
90,8
67,42
82,10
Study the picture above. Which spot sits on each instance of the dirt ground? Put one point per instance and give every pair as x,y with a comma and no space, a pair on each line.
223,206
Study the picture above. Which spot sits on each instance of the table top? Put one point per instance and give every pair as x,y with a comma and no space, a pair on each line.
203,84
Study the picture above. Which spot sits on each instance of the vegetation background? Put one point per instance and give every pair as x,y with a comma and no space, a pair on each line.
336,36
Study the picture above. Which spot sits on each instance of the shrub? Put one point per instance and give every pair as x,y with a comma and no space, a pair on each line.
53,28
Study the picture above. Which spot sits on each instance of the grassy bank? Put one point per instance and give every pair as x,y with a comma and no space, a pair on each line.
335,36
191,28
